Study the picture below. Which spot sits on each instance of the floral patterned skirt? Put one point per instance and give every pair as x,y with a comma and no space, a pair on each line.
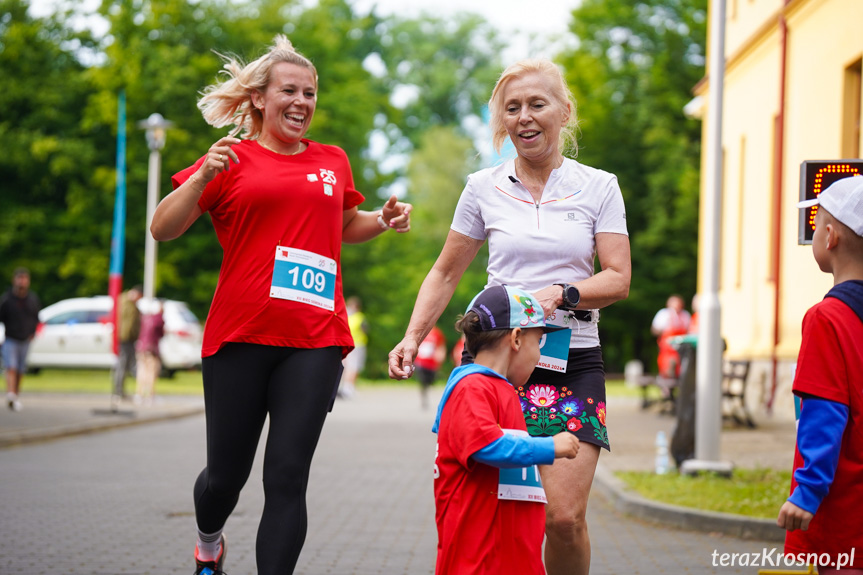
573,401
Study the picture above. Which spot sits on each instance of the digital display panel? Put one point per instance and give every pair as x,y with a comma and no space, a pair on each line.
815,177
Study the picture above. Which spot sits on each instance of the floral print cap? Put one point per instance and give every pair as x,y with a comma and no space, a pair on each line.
506,307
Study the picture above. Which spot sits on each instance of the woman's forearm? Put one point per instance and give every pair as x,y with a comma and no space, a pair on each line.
603,289
177,211
437,289
433,297
362,227
612,283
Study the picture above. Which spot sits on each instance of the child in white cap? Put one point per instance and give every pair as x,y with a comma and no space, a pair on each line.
822,514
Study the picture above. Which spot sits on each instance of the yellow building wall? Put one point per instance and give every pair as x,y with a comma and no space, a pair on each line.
744,20
824,37
746,289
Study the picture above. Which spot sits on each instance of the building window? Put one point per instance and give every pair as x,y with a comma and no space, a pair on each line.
851,110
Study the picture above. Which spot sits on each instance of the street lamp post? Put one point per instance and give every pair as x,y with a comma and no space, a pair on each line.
708,417
155,126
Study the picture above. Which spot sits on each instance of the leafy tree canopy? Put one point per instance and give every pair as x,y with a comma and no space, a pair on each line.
395,93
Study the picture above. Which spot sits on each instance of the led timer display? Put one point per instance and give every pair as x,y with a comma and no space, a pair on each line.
815,177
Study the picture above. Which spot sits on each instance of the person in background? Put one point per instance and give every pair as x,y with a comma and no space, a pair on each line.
457,351
482,527
670,321
147,353
277,331
356,359
821,515
128,329
19,313
693,321
548,219
430,357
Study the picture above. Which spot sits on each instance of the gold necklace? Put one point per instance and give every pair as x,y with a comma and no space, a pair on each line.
299,149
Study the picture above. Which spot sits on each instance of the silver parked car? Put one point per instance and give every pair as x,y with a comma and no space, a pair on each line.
78,332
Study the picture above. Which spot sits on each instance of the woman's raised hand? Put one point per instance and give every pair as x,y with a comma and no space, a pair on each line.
397,215
219,158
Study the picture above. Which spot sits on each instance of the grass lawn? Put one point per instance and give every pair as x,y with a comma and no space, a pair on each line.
750,492
99,381
618,388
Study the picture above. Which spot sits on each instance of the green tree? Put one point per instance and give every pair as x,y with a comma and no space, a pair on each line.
58,175
439,70
46,172
632,72
164,52
449,68
387,272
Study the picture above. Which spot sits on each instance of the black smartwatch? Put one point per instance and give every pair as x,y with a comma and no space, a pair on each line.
571,296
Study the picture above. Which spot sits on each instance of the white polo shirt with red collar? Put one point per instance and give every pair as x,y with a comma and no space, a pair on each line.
532,244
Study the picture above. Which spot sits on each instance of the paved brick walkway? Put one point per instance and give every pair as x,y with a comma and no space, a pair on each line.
119,502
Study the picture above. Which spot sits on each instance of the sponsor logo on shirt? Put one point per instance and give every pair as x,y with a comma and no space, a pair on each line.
329,178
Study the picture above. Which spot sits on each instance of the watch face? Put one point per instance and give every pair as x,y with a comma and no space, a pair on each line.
572,296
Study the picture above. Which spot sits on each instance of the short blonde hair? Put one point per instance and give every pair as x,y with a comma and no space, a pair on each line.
230,102
560,93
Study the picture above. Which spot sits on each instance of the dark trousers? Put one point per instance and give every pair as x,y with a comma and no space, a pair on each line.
125,365
243,383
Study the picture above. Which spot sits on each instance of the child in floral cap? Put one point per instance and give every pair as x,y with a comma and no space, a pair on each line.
490,506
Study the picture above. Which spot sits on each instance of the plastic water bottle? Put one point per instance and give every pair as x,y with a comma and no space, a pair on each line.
661,453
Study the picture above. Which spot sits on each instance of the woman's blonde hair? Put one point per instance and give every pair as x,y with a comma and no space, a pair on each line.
560,93
230,102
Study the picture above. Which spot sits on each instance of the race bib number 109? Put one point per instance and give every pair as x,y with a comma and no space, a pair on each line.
304,277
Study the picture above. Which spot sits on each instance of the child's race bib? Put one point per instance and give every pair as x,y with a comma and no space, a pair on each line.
554,346
520,484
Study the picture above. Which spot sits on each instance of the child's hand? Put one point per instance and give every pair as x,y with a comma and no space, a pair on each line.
790,518
565,445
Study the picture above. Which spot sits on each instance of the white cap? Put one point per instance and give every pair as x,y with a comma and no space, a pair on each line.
844,200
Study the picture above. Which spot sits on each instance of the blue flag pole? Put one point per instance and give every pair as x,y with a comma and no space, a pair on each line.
118,234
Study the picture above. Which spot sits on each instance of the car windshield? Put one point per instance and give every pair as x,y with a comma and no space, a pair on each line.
187,315
72,317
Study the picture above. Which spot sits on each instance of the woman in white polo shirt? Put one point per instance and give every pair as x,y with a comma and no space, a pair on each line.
546,218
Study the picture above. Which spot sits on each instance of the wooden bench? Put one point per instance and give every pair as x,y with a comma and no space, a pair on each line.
635,377
734,376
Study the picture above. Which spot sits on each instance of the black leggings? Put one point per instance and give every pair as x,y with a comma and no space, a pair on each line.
242,384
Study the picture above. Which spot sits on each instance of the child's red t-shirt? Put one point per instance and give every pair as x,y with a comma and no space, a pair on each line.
830,366
477,532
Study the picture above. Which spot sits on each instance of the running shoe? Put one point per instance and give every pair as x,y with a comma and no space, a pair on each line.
212,567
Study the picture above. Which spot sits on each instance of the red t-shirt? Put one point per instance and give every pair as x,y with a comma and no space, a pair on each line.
427,354
477,532
830,366
269,200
